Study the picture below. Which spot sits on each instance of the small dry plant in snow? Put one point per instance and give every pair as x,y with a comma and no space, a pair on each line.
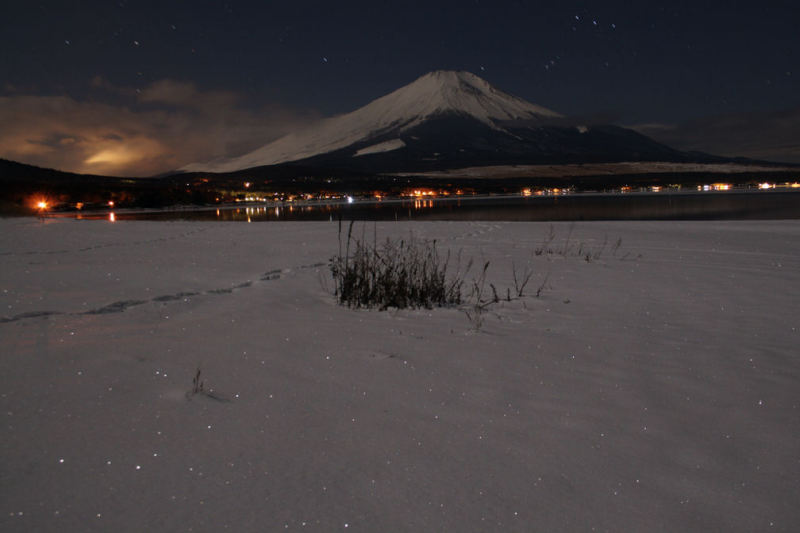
397,273
199,388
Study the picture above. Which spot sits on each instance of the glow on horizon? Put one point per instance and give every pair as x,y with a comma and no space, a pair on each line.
114,156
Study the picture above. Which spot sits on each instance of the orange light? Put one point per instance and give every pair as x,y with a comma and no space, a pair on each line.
112,217
42,204
111,203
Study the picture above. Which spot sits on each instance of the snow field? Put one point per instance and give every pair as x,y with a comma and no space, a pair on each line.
653,388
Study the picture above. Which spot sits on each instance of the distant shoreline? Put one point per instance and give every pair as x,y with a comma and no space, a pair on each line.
666,204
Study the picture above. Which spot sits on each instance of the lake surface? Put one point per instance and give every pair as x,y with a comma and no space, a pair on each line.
727,205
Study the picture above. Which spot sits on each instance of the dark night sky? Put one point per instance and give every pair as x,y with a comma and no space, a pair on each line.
132,87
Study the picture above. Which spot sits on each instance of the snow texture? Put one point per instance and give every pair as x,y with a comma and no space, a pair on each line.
654,387
433,94
387,146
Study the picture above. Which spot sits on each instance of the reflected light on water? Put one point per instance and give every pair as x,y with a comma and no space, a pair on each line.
514,206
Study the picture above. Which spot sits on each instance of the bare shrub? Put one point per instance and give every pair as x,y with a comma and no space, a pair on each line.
521,280
479,304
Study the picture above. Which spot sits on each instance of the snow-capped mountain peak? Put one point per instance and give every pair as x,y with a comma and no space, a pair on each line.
436,93
461,92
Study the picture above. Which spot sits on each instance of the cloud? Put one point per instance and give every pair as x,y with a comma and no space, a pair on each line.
164,126
183,94
773,136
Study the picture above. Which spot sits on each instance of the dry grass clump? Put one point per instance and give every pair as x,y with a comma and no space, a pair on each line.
397,273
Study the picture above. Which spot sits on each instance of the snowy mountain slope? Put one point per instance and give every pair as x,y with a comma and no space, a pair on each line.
451,141
447,120
386,146
434,94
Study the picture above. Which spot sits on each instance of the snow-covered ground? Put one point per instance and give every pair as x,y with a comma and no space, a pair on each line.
653,388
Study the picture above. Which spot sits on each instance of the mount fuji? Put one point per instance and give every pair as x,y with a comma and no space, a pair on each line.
445,120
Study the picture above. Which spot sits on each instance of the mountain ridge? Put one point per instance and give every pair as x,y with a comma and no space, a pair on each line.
437,93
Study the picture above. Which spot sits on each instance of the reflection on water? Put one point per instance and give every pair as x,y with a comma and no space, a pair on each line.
763,204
